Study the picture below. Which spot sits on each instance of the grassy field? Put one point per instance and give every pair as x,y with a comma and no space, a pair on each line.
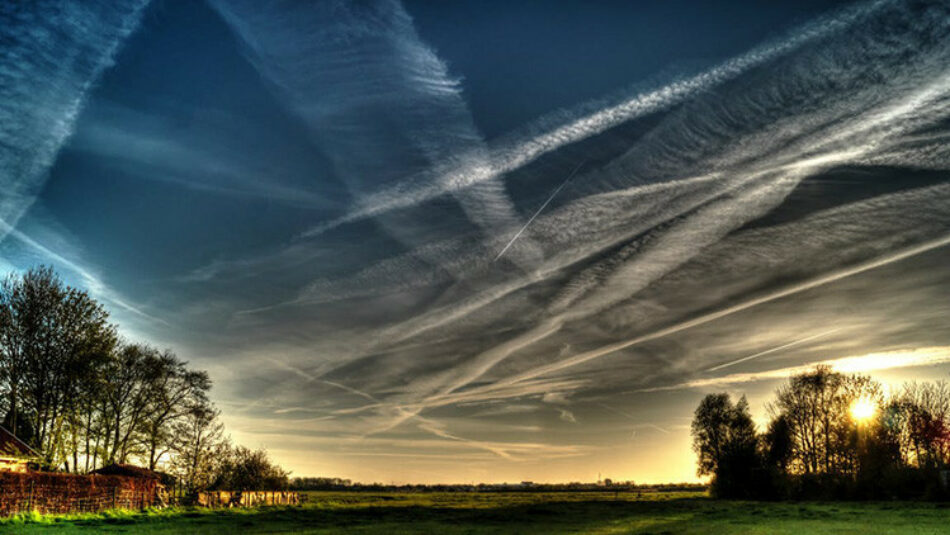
436,513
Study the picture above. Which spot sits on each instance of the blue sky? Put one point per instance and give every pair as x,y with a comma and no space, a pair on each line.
490,240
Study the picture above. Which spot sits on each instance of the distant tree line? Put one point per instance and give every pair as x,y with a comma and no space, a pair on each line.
83,398
830,436
335,483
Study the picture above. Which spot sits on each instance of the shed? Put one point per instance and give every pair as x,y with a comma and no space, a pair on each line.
130,470
163,481
15,455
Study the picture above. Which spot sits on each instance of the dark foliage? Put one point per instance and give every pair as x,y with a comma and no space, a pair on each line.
816,448
83,398
245,469
724,438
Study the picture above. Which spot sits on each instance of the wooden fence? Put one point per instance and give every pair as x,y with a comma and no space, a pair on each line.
45,492
247,498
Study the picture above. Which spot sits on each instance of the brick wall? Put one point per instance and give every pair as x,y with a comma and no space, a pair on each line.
46,492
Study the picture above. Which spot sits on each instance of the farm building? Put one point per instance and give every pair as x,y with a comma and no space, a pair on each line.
129,470
162,481
15,455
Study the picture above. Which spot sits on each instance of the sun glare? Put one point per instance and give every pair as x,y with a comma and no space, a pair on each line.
863,409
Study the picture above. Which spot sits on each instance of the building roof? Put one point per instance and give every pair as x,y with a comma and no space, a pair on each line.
11,446
130,470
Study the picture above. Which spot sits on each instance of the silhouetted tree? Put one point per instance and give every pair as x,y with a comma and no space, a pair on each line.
710,431
879,456
725,440
131,373
921,414
173,388
777,443
816,407
816,447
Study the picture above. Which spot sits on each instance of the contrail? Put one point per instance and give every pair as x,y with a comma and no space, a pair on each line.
325,59
95,286
452,398
713,316
50,57
707,226
315,379
773,350
887,360
543,206
520,148
634,418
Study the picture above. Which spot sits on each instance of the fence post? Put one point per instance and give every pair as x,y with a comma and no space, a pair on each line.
115,491
29,503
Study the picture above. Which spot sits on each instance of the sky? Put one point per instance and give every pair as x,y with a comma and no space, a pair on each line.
488,240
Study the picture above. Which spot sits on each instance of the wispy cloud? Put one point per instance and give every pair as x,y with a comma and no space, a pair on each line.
50,59
719,314
568,127
329,60
567,416
908,358
207,156
512,451
87,279
723,207
755,192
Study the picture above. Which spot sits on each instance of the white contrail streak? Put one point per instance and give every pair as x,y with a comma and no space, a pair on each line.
887,360
51,54
316,379
462,397
515,151
707,318
635,419
773,350
90,280
325,60
707,226
541,209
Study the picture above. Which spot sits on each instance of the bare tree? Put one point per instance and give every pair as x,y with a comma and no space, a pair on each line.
131,374
816,406
199,446
921,412
174,388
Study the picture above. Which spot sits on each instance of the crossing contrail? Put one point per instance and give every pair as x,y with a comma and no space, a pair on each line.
543,206
773,350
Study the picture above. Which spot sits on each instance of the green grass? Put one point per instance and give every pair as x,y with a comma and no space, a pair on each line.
545,513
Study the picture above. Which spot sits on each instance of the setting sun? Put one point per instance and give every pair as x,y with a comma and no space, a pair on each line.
863,409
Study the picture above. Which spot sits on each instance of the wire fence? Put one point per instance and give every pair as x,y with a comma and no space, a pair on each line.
71,493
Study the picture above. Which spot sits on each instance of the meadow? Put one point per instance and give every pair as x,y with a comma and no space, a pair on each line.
484,513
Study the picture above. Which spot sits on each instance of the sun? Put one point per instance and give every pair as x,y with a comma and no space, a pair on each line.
863,409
